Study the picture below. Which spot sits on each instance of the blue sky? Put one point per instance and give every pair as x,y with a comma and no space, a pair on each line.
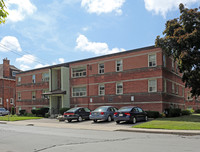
39,33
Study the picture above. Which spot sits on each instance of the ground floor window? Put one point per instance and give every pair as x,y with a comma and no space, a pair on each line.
11,101
79,91
1,101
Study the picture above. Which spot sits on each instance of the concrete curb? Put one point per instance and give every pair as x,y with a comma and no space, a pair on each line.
162,131
3,122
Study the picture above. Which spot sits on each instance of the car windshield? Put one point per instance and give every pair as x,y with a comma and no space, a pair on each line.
100,109
125,109
72,109
2,109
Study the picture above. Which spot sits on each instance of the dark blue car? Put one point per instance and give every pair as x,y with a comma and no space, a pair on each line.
130,114
105,113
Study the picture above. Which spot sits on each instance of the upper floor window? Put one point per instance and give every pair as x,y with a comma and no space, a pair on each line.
152,85
11,101
14,73
165,85
45,96
189,95
173,88
78,91
33,95
172,64
177,87
164,60
45,77
119,88
1,101
78,72
119,66
19,80
19,96
183,91
101,89
101,68
152,60
33,78
176,67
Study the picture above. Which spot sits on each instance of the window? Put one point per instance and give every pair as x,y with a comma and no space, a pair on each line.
11,101
183,91
101,89
173,88
189,95
119,66
176,67
164,60
1,101
79,91
19,80
119,88
19,96
45,96
14,73
152,60
33,95
101,68
45,77
177,89
79,72
152,85
33,78
172,64
165,85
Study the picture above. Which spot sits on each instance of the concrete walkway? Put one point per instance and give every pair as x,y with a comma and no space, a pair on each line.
90,125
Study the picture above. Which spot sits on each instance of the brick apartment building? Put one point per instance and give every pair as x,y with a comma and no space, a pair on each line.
7,84
142,77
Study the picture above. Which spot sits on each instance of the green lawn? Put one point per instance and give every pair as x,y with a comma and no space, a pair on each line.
191,122
17,118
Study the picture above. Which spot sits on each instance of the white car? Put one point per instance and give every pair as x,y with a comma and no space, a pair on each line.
3,112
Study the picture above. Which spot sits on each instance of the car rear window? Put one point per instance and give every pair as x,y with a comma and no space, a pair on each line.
101,109
125,109
2,109
72,110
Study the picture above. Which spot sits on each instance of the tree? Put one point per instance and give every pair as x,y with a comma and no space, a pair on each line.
182,41
3,12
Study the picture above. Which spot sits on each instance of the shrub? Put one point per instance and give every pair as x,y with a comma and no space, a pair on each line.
153,114
30,115
33,111
47,115
185,112
62,110
40,111
13,110
176,112
197,111
22,112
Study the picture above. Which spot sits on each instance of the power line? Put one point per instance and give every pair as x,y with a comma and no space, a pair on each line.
3,46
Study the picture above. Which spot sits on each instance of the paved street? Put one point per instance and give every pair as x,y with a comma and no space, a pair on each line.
16,138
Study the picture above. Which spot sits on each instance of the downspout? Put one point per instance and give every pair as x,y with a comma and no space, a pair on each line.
88,94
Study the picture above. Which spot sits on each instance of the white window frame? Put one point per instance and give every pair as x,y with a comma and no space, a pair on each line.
119,88
1,101
189,94
33,95
154,62
150,87
19,80
45,77
101,92
79,74
100,69
11,101
80,93
14,73
19,96
120,66
173,87
177,89
33,78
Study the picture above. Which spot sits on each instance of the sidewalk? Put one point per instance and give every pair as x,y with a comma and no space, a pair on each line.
89,125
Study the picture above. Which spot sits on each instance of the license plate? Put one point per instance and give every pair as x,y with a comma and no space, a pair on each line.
120,115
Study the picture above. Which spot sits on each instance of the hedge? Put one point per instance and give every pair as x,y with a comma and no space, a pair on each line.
153,114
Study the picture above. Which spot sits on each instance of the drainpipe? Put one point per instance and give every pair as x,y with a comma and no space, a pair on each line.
88,94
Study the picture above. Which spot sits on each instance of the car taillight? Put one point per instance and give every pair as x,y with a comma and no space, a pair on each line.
128,114
115,113
68,113
102,113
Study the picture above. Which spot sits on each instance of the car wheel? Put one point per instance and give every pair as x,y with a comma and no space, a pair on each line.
134,120
117,122
109,119
95,120
146,118
69,120
80,119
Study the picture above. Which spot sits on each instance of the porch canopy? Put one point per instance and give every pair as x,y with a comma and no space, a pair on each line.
54,92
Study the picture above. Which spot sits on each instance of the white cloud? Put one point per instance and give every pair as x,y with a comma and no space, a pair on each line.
28,59
61,60
84,44
40,66
103,6
19,9
164,6
9,43
24,67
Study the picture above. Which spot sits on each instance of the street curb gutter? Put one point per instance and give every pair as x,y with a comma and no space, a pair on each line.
2,122
160,131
